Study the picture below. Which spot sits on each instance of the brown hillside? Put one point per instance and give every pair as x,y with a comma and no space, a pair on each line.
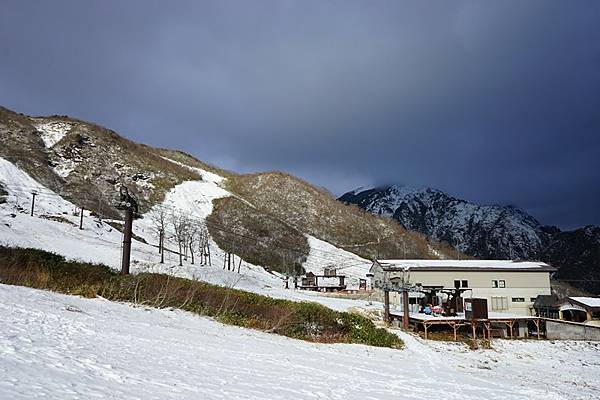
316,212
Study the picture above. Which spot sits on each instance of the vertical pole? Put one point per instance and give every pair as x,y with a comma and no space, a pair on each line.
127,241
33,202
162,247
100,209
406,310
386,306
81,219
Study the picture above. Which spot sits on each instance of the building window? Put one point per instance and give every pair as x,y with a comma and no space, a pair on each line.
499,303
532,299
502,284
518,300
494,284
461,284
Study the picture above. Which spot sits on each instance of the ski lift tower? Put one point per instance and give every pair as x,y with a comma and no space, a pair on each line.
399,284
129,204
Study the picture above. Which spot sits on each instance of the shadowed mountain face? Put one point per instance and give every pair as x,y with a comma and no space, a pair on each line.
577,254
487,231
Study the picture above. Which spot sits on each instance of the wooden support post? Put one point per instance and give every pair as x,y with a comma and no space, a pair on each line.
510,329
425,325
81,219
455,328
406,309
473,329
489,331
537,326
386,306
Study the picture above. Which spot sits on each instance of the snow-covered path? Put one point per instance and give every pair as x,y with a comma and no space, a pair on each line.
66,347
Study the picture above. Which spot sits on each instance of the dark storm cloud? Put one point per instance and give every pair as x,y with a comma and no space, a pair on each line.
494,102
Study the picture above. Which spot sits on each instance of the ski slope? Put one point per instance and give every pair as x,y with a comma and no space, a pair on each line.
66,347
100,243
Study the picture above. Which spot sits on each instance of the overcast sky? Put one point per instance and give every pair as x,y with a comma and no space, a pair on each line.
494,102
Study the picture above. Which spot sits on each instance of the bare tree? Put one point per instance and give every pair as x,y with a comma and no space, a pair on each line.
158,216
203,243
193,237
180,224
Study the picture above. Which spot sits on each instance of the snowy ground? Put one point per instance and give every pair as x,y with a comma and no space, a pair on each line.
66,347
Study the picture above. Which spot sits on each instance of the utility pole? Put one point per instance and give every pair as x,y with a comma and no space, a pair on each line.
33,202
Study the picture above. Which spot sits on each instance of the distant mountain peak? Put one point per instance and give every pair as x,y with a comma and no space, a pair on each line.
485,231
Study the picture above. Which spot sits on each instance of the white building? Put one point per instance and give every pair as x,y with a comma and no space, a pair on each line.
508,286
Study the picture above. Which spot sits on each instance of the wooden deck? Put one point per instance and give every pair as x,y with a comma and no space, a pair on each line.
455,323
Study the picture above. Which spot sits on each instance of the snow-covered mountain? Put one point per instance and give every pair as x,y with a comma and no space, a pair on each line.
485,231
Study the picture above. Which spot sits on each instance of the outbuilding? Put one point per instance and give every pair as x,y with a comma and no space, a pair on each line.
580,309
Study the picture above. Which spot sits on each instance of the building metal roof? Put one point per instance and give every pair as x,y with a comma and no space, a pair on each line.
592,303
465,265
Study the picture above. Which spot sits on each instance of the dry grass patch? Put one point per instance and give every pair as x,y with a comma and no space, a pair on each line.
301,320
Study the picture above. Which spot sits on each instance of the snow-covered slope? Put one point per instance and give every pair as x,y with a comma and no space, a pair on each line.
66,347
55,227
52,132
